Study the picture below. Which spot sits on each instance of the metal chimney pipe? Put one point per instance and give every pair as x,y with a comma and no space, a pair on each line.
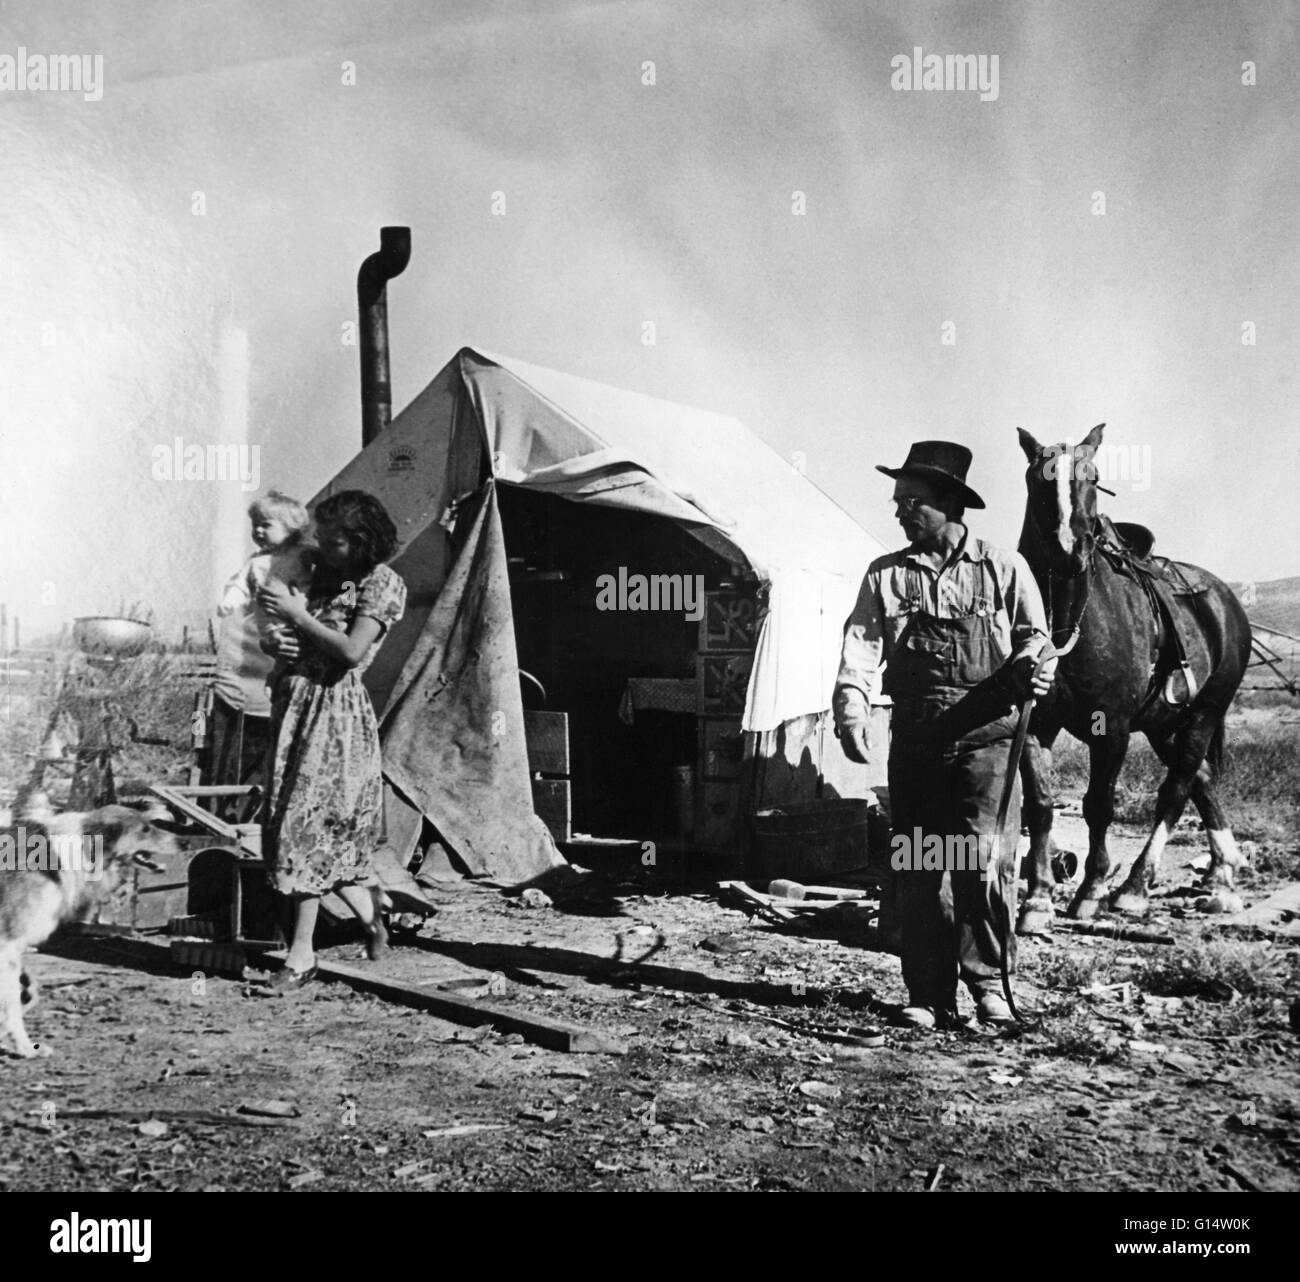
372,308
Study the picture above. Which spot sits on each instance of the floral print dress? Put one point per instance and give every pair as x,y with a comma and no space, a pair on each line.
324,805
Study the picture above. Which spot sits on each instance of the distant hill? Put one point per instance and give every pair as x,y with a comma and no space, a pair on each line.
1274,605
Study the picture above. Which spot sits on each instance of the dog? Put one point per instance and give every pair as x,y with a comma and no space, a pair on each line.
58,868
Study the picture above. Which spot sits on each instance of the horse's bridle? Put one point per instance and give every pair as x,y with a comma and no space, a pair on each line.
1086,571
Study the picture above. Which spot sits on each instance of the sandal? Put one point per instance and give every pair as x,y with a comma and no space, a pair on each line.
287,980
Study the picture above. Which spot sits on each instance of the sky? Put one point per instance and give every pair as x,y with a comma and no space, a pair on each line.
845,265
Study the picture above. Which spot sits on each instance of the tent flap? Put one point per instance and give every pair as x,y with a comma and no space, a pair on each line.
453,733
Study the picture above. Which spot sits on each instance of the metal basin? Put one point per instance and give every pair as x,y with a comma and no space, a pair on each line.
112,637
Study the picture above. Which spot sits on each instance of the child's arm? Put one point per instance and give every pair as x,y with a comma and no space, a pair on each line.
235,595
347,648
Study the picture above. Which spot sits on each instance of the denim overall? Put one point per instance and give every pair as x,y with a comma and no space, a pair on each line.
951,733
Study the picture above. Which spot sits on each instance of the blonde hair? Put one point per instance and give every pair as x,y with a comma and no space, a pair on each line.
275,505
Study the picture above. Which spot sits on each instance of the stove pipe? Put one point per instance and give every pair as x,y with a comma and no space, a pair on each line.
372,307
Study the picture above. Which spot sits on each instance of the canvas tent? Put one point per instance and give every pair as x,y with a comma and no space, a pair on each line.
518,492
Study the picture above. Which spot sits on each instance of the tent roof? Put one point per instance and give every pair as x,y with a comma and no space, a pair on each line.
724,475
593,443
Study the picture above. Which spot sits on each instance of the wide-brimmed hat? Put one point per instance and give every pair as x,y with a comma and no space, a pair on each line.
942,463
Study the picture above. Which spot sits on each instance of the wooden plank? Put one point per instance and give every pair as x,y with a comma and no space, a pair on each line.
722,683
761,903
546,735
1114,930
553,1034
553,803
195,1116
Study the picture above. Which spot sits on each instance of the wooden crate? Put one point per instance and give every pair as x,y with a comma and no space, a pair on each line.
722,747
730,621
723,683
546,735
553,804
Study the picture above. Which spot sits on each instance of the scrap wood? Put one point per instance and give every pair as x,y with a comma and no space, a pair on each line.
1276,913
549,1033
552,1034
761,903
199,1116
782,888
1242,1178
806,1030
788,904
1116,930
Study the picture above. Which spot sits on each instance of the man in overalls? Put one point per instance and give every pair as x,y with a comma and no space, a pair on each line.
958,625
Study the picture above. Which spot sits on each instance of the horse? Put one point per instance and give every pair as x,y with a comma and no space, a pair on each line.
1114,680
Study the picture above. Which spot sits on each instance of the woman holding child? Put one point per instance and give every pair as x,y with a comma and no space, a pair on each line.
324,808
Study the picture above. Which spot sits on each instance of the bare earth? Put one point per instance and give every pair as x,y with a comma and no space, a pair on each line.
1185,1094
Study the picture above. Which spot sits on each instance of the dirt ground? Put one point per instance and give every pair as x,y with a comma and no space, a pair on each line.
1119,1087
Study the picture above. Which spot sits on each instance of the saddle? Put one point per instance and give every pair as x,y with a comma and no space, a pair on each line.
1127,549
1137,541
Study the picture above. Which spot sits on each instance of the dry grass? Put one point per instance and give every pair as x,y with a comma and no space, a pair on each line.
1214,969
145,691
1259,785
1075,1035
1066,970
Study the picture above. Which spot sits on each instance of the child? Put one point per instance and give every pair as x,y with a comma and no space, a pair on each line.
239,722
324,807
284,554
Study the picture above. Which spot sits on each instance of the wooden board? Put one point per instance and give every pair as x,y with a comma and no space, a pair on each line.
1278,914
723,681
553,1034
730,621
547,737
553,803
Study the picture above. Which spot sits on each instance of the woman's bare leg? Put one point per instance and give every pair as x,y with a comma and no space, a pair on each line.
361,900
302,951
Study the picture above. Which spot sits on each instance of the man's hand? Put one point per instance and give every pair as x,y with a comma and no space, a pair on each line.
855,739
1030,676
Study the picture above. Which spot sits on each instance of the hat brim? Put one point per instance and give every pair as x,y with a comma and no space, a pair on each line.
936,476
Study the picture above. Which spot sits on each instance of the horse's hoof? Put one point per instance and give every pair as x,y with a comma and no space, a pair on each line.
1036,918
1085,907
1223,901
1129,901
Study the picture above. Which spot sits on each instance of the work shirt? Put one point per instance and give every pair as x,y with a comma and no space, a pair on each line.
243,668
980,581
